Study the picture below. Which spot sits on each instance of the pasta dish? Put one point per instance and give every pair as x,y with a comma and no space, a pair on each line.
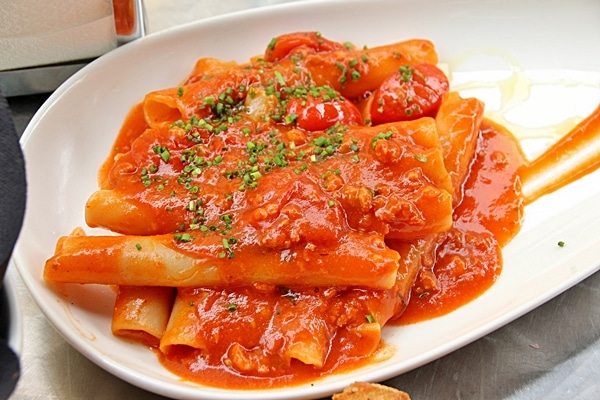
271,217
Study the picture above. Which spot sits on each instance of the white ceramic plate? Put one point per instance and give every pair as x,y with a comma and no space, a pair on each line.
547,59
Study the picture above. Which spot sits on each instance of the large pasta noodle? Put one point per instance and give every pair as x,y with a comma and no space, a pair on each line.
142,312
161,261
458,121
265,227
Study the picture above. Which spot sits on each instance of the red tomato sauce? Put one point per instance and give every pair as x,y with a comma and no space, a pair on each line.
135,123
191,365
346,353
468,259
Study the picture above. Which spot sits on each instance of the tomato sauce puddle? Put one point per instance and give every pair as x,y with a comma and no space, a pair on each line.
570,158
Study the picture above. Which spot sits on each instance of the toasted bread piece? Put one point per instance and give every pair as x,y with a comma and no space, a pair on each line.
370,391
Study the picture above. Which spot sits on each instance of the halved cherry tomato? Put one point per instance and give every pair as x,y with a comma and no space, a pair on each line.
412,92
283,46
316,114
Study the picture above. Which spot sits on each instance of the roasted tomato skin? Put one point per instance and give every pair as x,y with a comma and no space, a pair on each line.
412,92
283,46
315,114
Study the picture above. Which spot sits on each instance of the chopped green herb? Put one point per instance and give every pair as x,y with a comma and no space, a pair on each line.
163,152
183,237
291,119
406,72
227,250
381,136
279,78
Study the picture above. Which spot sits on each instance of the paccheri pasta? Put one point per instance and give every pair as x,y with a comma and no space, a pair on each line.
272,217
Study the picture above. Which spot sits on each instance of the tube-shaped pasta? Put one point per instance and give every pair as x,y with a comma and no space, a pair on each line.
356,260
458,124
355,72
184,327
255,323
208,66
196,97
120,214
141,313
257,329
458,121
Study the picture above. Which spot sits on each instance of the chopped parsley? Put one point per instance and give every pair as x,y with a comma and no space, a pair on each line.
381,136
406,73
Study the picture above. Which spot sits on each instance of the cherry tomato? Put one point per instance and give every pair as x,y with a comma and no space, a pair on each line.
315,114
284,45
412,92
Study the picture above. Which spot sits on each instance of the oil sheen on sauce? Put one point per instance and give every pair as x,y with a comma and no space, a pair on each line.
468,259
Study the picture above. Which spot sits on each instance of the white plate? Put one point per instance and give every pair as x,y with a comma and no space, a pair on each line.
557,45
